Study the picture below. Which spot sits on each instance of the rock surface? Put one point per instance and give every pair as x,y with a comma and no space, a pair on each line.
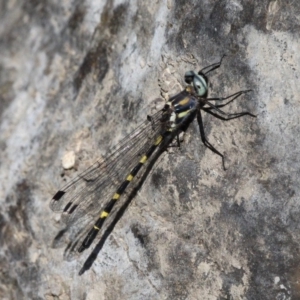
77,76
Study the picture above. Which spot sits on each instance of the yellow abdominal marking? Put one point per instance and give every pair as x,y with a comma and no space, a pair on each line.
129,177
116,196
103,214
158,140
143,159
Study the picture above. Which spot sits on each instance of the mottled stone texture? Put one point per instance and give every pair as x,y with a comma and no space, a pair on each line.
79,75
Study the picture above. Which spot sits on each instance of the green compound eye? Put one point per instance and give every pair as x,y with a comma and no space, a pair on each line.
200,85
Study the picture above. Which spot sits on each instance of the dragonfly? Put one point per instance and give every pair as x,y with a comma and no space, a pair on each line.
92,202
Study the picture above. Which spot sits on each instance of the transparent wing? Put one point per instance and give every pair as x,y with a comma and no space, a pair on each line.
82,199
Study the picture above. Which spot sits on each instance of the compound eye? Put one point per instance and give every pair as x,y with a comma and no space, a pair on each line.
189,76
199,91
200,85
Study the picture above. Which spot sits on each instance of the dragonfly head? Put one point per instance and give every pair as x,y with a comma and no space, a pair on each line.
198,81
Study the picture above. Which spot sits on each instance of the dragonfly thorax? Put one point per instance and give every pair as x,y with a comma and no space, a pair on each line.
179,108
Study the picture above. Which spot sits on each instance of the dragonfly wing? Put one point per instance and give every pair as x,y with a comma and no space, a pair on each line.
87,193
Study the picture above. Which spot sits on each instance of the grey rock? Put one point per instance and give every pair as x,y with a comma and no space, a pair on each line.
78,76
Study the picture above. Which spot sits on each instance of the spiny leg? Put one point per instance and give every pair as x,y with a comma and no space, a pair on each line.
217,107
235,115
177,144
235,95
212,67
205,141
228,116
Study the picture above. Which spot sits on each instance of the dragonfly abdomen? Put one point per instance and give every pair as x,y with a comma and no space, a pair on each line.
109,206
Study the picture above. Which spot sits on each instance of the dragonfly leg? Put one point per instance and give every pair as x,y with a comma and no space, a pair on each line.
205,141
